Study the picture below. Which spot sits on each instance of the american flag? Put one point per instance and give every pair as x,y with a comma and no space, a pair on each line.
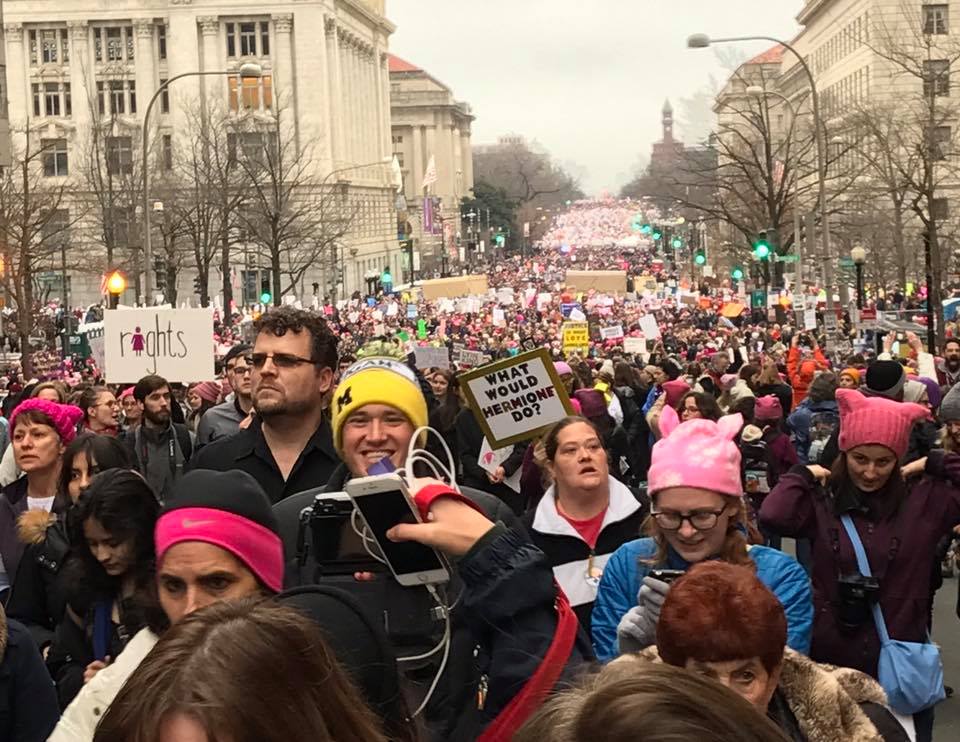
778,172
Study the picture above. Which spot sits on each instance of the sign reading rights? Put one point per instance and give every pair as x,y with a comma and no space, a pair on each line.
516,399
173,343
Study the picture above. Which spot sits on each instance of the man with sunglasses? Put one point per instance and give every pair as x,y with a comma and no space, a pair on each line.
288,447
225,418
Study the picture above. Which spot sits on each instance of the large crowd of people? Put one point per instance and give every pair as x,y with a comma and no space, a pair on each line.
737,532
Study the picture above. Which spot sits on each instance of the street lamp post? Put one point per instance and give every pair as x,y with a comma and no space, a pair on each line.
859,256
248,70
701,41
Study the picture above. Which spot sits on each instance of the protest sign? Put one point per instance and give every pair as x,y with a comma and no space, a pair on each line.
516,399
809,319
634,345
173,343
577,316
576,337
543,301
567,307
499,318
490,459
611,333
391,309
470,358
605,282
505,295
649,327
440,288
411,311
429,357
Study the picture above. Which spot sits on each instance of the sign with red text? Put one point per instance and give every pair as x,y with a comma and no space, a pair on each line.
176,344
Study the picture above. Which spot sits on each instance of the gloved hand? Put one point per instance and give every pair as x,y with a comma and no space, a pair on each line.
638,628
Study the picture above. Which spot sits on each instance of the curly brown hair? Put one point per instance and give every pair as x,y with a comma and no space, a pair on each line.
281,320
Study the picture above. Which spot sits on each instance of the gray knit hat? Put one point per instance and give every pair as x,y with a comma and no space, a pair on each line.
950,406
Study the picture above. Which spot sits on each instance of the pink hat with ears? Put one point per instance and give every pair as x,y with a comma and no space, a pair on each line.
698,453
877,421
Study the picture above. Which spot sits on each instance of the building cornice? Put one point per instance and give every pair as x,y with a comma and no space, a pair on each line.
810,10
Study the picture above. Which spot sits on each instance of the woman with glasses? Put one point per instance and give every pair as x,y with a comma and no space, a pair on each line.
101,411
697,514
585,514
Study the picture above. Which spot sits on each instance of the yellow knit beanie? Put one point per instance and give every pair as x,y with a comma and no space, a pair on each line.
377,380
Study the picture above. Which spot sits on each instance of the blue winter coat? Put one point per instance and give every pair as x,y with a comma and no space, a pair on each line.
622,574
799,424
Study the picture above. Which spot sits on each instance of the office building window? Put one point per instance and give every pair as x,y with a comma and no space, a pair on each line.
164,98
166,152
248,39
254,93
54,157
113,44
51,99
936,77
935,18
119,155
162,41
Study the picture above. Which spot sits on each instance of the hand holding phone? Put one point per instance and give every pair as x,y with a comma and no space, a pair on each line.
453,527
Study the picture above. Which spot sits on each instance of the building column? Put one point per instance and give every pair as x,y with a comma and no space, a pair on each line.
213,85
416,167
353,56
326,151
383,95
346,96
456,163
466,153
18,93
335,107
365,109
283,63
81,86
145,76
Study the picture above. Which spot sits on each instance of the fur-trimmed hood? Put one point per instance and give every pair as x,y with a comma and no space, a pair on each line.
32,526
824,699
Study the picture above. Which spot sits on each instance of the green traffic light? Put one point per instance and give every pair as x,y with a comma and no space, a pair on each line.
700,258
677,242
265,297
657,235
645,229
761,249
737,274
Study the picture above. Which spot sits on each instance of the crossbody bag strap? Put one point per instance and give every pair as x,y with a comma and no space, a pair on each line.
864,565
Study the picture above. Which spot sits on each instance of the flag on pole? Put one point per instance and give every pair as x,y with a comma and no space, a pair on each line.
397,175
430,176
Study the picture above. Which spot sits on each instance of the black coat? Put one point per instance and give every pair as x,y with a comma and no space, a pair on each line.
28,701
248,451
469,442
13,503
38,598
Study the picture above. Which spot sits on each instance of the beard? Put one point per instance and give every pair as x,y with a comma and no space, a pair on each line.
275,406
953,364
159,418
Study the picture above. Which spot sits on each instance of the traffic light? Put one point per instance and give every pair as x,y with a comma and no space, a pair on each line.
677,242
761,247
266,295
700,256
197,285
657,234
645,229
737,273
501,239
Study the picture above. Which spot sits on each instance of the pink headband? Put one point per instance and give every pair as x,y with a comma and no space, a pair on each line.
253,544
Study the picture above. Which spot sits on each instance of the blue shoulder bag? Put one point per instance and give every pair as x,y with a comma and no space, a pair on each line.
911,673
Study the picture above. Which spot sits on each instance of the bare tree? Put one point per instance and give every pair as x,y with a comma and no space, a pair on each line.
34,224
914,141
290,213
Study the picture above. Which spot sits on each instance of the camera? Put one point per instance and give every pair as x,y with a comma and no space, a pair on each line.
856,595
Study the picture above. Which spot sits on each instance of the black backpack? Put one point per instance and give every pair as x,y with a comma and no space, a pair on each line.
759,471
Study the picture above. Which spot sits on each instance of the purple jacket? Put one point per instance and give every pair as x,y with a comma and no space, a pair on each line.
901,551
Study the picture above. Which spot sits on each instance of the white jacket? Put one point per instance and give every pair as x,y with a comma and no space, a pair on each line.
81,717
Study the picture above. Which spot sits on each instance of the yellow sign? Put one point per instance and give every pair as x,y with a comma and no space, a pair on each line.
576,337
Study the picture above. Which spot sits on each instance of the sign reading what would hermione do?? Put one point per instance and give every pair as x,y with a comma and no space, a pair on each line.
176,344
516,399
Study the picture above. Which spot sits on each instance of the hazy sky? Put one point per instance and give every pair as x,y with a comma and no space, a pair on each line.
585,78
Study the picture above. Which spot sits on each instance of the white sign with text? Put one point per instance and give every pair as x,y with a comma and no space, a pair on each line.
176,344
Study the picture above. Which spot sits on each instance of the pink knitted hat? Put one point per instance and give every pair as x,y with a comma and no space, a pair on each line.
698,453
767,408
675,390
208,390
876,420
65,417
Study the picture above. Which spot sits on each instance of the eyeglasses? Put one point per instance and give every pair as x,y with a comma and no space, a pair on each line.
280,360
242,370
702,520
114,403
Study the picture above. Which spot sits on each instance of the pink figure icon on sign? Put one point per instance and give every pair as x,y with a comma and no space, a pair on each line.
488,457
137,342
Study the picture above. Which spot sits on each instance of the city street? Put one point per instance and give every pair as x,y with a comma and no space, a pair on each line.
946,634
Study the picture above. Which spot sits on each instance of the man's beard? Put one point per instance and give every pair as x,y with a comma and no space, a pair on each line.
275,407
953,364
159,418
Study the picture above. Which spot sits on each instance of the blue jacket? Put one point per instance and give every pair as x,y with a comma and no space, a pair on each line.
622,574
799,424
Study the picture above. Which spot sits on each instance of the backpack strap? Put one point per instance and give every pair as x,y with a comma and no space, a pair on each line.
864,565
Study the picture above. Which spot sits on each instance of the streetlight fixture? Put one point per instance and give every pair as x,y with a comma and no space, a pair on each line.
859,256
702,41
116,285
246,71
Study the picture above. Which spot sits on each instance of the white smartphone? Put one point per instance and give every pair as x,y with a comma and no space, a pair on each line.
383,502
